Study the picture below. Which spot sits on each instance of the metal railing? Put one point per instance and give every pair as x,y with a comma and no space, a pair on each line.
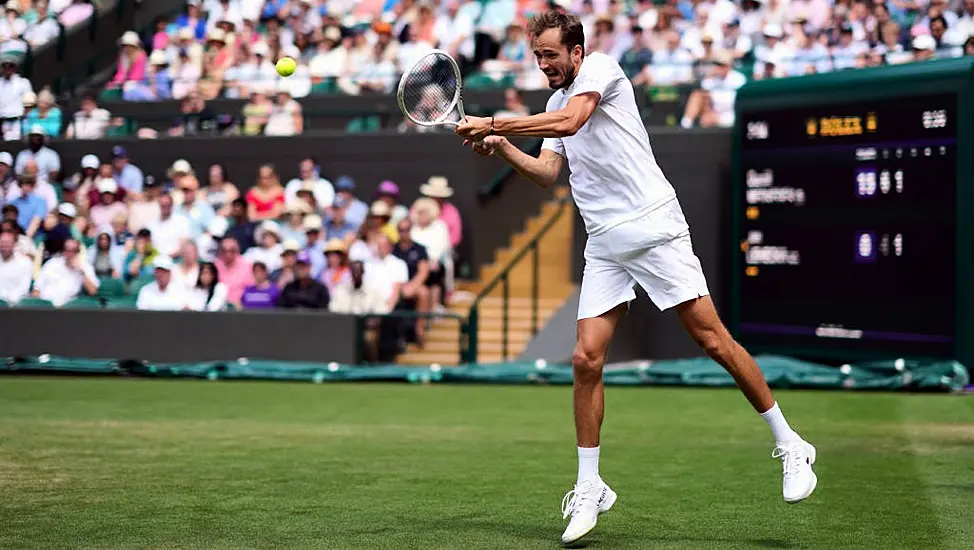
469,354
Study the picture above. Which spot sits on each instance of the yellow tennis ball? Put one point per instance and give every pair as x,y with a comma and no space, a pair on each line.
286,66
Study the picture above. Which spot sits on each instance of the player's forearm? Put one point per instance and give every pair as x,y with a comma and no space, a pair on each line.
528,166
554,124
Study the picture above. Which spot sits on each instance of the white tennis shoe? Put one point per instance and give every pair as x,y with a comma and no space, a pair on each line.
584,503
799,479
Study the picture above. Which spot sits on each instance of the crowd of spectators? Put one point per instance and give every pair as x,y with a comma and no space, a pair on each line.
228,47
196,240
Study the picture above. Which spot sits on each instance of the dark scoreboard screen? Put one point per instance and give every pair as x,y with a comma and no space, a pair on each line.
849,226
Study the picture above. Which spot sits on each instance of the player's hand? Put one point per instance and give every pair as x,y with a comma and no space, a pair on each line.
474,128
487,147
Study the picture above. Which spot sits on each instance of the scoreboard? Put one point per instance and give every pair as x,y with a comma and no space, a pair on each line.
852,202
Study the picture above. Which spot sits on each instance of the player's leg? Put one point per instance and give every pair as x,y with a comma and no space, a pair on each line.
672,276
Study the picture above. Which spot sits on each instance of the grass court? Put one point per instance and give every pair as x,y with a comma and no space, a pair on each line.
120,463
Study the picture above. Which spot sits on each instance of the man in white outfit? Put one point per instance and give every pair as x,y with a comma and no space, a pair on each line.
636,234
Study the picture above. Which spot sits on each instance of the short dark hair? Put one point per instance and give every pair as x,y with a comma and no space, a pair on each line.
938,19
572,33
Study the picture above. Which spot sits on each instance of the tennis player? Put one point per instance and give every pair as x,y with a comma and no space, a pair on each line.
637,234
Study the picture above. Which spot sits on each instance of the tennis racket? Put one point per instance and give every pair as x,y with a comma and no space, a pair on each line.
431,91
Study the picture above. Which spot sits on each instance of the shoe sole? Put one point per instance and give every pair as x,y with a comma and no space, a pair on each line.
811,460
610,500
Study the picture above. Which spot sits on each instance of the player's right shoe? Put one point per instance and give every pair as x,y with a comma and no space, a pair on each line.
584,503
799,479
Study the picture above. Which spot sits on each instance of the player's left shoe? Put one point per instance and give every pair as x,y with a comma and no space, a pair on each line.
584,503
799,479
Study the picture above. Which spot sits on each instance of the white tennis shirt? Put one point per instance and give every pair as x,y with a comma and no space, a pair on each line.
614,175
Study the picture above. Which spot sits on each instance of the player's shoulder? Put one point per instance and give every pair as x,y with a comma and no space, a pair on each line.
600,62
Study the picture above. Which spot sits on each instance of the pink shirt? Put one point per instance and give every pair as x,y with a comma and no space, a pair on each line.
237,277
135,72
451,217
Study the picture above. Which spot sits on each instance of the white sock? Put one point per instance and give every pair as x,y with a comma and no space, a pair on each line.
779,426
588,464
686,123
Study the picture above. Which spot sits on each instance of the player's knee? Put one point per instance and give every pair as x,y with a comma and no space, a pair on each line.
716,344
587,363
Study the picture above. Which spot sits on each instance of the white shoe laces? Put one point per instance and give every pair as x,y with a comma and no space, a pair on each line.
573,499
791,458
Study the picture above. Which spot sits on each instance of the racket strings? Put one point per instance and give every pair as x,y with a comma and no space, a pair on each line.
429,91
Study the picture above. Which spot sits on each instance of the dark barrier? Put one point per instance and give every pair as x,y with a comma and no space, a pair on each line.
697,163
84,50
408,160
180,336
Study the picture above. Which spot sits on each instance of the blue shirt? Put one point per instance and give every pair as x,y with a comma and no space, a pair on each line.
130,178
318,263
47,161
334,231
28,208
199,216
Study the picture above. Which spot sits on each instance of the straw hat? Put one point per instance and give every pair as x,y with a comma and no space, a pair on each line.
158,58
429,205
436,187
335,245
380,208
267,226
130,38
180,167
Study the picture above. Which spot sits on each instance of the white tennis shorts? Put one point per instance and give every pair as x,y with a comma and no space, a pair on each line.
654,251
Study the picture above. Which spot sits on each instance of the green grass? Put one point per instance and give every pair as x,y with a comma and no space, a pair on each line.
115,463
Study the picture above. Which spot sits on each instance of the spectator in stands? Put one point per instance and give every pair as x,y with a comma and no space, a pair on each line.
193,20
432,234
31,208
132,61
293,228
42,188
123,237
208,244
145,211
63,277
309,173
172,229
269,245
285,274
217,59
186,74
331,57
380,220
187,272
263,294
181,168
415,292
387,272
265,200
104,212
969,46
162,294
44,29
13,88
16,269
286,118
193,207
82,184
256,113
713,104
156,84
210,294
127,175
196,119
235,271
9,190
355,209
924,47
388,192
513,105
315,243
47,159
13,25
219,192
359,297
47,115
337,225
845,52
107,258
438,188
160,38
138,262
241,228
25,245
304,291
91,121
336,270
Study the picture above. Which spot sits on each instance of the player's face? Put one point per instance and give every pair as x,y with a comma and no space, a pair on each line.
555,60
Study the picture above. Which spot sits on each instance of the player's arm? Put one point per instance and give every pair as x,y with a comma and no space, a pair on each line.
543,170
564,122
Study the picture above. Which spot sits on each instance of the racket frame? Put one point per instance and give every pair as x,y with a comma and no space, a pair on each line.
457,102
